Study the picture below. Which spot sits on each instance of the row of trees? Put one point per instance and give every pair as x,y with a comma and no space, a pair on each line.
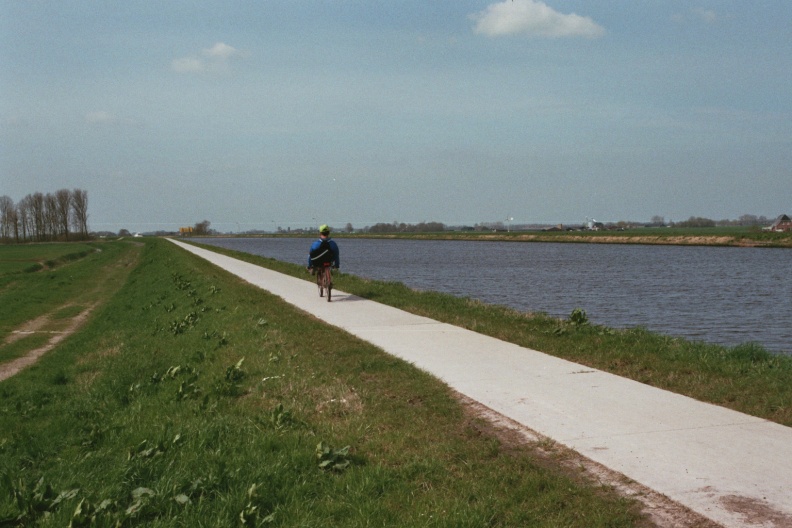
697,221
423,227
38,217
657,221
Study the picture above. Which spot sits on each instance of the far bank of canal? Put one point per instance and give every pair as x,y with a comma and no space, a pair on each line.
724,295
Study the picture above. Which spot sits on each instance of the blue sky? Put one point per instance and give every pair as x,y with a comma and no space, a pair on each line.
259,114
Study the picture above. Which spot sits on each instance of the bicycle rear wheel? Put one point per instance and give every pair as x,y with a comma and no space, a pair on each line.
324,281
320,281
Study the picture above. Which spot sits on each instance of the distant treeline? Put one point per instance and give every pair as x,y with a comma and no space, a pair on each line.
423,227
38,217
657,221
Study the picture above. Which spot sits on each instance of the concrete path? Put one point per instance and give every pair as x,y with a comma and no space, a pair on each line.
732,468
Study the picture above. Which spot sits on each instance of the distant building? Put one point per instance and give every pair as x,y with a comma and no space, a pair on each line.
782,223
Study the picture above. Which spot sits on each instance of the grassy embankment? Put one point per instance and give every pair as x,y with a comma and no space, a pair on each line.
715,236
41,293
745,378
29,258
192,399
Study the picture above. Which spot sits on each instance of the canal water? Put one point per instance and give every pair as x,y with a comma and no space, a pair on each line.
721,295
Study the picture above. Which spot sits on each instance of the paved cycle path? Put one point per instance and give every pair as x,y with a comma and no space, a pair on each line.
732,468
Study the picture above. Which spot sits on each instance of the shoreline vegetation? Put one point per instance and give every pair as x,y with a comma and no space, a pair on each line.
717,236
188,397
757,240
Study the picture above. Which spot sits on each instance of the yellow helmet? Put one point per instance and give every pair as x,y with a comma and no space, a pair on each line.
324,229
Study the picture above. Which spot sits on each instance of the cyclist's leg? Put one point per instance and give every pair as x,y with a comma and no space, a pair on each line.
329,281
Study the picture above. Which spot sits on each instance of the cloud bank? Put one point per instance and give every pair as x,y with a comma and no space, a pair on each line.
532,18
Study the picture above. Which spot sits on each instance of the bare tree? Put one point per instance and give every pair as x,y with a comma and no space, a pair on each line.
40,217
24,210
201,228
6,218
38,212
63,211
50,217
748,220
79,205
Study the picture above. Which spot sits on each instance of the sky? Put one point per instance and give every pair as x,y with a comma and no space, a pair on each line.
264,114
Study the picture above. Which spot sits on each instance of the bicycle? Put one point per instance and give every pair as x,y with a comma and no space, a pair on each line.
324,280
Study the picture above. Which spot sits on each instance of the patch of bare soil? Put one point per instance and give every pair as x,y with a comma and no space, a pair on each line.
44,324
659,510
29,327
756,513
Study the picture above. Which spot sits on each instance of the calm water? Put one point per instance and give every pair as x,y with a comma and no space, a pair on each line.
720,295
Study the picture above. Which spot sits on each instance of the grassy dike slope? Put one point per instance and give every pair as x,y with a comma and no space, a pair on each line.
192,399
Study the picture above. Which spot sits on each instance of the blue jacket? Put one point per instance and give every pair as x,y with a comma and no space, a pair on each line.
333,247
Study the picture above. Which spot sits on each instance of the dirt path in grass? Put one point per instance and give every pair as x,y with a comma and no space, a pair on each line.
105,283
59,330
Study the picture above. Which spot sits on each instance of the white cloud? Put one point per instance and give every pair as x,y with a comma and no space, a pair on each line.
215,59
188,65
534,18
221,51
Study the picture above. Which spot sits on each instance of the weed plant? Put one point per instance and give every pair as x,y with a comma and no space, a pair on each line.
746,378
193,399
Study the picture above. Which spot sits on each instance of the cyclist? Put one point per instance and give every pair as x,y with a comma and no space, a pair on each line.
324,250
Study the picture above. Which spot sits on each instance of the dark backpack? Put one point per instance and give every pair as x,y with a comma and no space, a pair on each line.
323,254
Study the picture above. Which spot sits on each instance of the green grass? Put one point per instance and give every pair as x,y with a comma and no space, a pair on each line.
22,346
77,274
35,257
745,378
68,312
731,236
193,399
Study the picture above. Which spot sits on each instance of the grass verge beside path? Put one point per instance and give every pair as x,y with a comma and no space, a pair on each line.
193,399
745,378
